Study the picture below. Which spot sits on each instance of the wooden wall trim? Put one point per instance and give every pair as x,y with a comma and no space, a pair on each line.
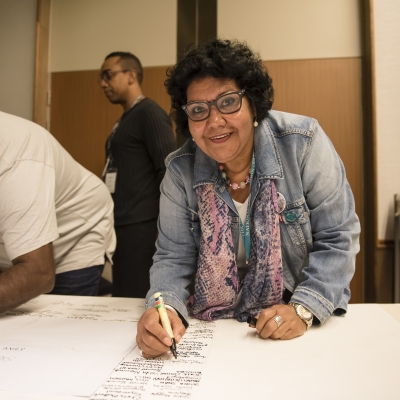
372,245
41,62
370,115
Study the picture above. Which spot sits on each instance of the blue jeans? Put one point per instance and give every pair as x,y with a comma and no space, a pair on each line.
80,282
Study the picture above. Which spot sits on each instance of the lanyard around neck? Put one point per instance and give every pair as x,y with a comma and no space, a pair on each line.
245,229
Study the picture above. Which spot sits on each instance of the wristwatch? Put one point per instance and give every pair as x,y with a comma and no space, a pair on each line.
303,313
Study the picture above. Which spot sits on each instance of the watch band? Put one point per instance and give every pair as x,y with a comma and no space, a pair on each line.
303,313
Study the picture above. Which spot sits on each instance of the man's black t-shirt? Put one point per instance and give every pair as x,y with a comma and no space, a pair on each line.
138,148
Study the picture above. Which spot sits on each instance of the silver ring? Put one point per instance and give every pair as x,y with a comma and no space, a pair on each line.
278,319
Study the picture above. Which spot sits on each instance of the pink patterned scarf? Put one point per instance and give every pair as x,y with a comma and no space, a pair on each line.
217,283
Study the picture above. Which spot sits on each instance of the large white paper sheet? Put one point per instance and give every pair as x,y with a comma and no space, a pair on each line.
66,346
350,357
163,377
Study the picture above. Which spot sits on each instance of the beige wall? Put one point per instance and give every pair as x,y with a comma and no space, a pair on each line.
387,76
293,29
83,32
17,56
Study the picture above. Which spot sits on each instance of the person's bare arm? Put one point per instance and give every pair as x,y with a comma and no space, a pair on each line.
32,274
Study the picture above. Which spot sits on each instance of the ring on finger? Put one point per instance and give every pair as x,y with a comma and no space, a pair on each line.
278,319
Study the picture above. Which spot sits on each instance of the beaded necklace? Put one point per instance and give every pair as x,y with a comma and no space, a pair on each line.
233,185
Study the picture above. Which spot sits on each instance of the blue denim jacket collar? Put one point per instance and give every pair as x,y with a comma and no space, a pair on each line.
268,162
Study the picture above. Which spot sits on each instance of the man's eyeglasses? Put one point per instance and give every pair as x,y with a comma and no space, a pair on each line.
228,103
108,75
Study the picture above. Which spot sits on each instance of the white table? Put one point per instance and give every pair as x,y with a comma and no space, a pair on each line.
352,357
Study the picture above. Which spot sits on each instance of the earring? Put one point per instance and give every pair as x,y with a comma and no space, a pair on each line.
193,139
255,123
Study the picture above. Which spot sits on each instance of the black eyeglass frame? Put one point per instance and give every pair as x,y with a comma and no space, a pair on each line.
211,103
108,75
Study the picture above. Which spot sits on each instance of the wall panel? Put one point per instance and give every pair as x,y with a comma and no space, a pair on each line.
386,34
17,62
330,91
82,117
83,32
293,29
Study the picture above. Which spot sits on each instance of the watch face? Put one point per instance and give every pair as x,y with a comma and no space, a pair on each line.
304,312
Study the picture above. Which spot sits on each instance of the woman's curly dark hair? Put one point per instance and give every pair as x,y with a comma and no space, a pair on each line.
224,59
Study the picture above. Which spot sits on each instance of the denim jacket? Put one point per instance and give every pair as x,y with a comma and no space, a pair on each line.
319,227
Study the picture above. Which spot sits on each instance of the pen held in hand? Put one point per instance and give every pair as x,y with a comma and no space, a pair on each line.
165,321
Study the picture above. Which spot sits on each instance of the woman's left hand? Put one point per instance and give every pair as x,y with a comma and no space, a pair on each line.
291,326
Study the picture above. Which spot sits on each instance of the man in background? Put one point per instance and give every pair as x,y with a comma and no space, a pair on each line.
135,151
56,218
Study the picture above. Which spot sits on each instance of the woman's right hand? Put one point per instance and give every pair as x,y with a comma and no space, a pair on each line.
151,337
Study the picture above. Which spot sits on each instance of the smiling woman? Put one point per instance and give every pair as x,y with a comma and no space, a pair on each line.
227,137
281,245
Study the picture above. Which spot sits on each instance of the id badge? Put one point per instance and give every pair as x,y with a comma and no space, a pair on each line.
111,179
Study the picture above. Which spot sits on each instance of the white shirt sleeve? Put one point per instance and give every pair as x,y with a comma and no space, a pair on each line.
27,207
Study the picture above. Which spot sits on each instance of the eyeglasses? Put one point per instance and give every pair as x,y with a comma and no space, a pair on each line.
108,75
228,103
